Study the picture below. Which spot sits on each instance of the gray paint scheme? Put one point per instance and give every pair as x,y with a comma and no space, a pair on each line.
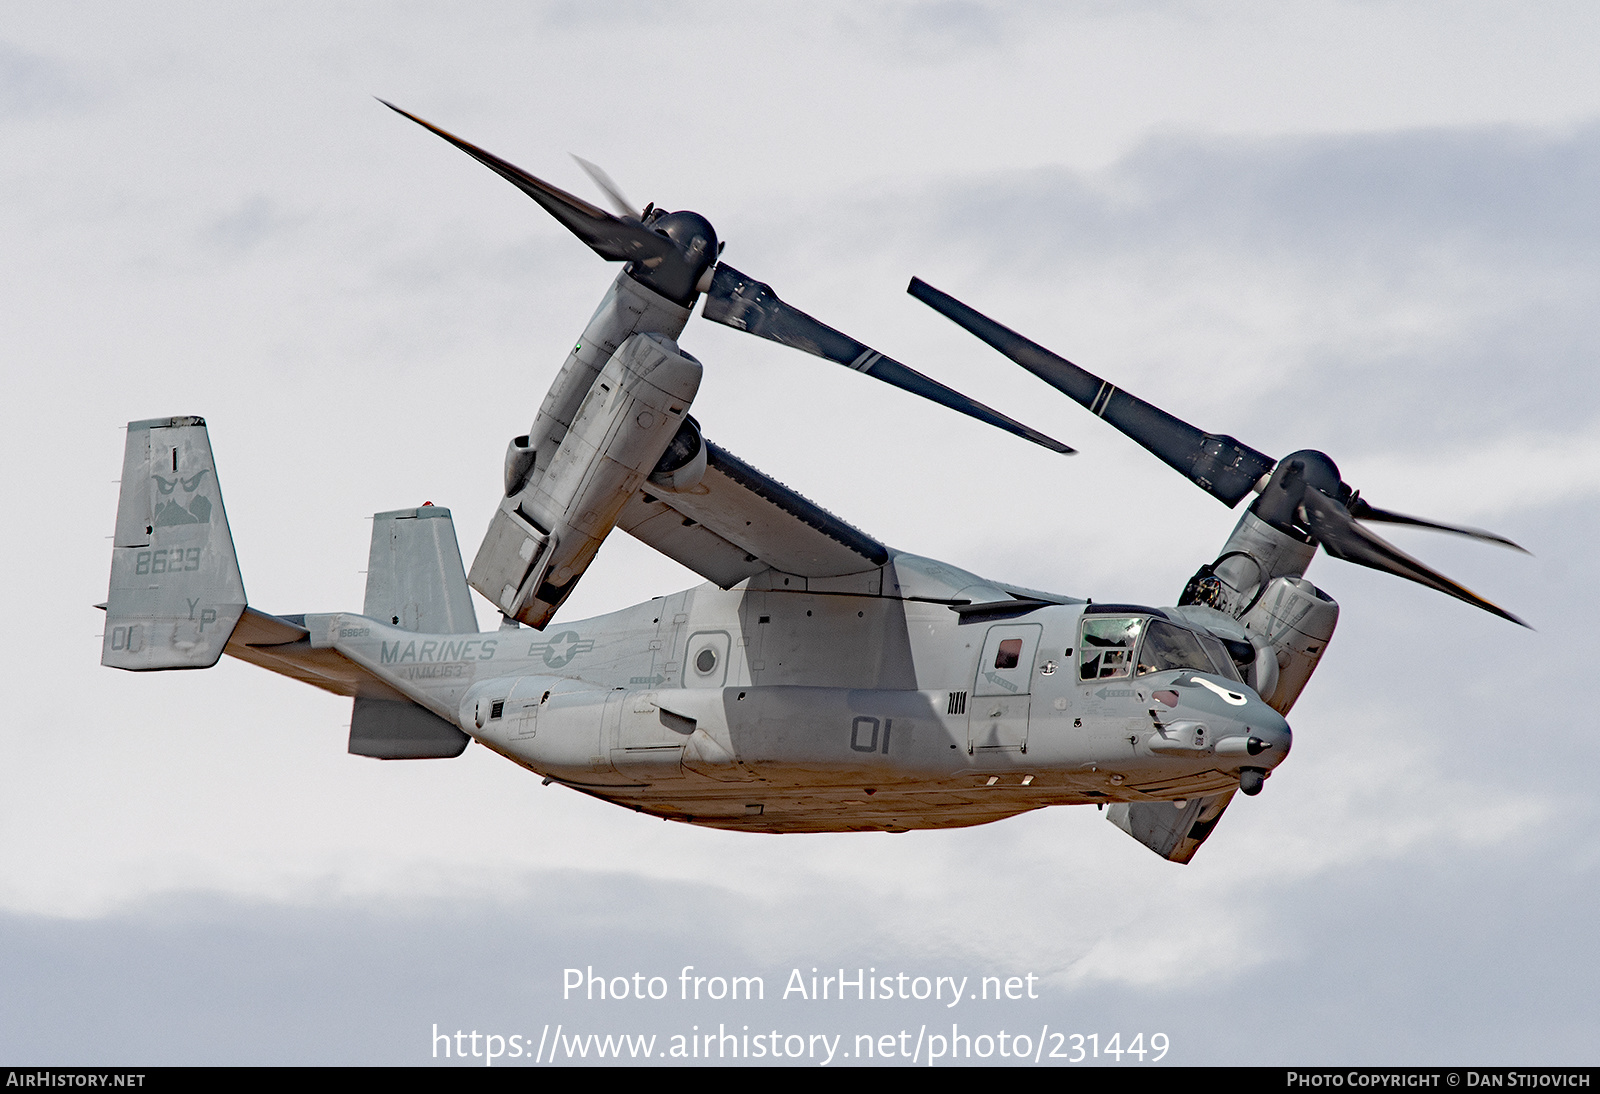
787,702
617,403
414,574
737,522
416,582
823,681
176,593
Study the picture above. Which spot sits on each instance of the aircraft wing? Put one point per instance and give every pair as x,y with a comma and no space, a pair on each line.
738,522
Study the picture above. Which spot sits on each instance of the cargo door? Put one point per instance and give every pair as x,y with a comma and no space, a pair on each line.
997,717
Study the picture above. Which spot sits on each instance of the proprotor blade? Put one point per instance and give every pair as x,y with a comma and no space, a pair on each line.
619,201
1218,464
1334,527
1360,510
609,237
742,302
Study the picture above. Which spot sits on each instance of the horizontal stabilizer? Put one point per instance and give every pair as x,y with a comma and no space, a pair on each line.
257,628
282,644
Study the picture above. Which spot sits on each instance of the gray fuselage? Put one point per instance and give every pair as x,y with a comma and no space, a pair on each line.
782,709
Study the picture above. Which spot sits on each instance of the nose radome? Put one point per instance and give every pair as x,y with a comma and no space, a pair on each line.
1261,734
1260,744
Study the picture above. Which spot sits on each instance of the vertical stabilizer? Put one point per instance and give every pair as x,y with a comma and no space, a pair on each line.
415,578
176,593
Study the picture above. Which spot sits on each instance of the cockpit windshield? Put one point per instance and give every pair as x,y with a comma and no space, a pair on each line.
1169,647
1226,666
1107,649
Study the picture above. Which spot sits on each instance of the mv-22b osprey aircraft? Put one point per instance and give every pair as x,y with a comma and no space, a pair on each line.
821,681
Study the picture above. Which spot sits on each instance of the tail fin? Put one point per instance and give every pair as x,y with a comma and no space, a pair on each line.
176,592
415,578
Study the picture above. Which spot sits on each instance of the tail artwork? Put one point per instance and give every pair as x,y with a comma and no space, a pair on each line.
176,594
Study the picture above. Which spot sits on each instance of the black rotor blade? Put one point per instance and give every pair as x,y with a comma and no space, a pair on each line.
1335,528
610,237
1218,464
746,304
1360,510
598,176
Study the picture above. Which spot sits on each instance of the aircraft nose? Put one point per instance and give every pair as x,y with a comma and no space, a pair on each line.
1259,743
1241,723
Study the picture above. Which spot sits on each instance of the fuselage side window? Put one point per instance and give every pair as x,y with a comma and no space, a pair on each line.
1008,654
1106,651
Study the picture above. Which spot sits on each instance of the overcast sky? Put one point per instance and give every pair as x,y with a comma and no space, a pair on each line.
1368,228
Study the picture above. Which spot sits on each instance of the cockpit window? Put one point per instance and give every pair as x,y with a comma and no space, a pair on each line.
1106,651
1220,658
1168,647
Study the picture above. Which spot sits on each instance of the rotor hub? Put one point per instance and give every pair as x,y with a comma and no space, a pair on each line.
1279,503
678,276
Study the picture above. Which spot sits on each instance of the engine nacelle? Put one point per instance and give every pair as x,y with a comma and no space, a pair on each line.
683,464
1257,580
544,536
629,308
1295,619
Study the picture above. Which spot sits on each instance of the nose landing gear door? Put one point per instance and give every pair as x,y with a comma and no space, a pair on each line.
998,714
